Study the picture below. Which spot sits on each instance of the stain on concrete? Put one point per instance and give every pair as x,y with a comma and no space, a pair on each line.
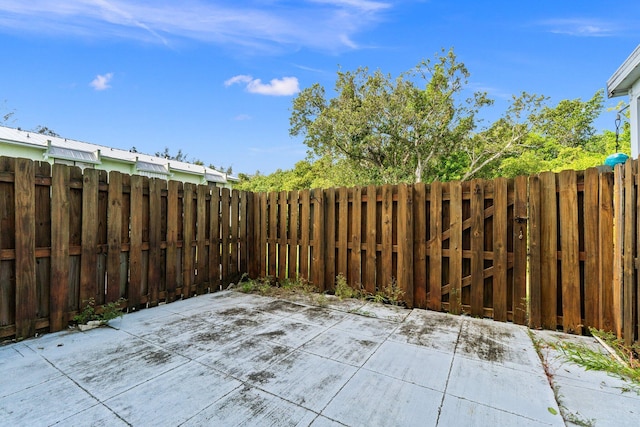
260,377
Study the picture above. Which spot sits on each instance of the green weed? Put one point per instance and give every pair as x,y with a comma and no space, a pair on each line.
103,313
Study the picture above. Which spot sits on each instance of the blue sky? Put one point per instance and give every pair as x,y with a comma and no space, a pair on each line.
216,78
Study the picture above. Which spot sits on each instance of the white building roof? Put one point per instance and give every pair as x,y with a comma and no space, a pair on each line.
625,76
70,149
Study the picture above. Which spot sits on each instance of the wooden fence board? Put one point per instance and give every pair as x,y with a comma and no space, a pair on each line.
619,208
570,280
26,294
356,238
114,236
293,236
317,255
155,237
272,236
282,236
629,254
435,247
549,249
330,237
59,288
343,227
187,243
305,218
233,236
535,261
591,244
500,249
387,238
43,232
477,248
135,248
405,243
455,247
243,227
225,230
172,240
201,278
263,236
606,251
420,245
520,250
370,269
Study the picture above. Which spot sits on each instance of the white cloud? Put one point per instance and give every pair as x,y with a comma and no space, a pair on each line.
238,79
285,86
101,82
242,117
579,27
328,25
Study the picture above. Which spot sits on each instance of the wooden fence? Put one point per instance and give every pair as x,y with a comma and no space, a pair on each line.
536,251
66,237
555,251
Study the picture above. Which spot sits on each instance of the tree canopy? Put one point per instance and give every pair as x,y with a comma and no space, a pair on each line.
419,126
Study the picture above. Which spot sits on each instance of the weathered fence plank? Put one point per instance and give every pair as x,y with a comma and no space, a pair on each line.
520,215
25,265
477,248
356,238
420,245
549,250
455,247
371,236
571,319
435,247
59,288
591,243
114,236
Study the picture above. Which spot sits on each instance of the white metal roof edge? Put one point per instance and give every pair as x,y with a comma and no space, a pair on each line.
18,136
624,77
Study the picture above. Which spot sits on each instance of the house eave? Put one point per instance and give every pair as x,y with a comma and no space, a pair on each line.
625,76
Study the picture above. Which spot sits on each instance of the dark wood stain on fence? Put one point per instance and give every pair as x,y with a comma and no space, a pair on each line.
536,250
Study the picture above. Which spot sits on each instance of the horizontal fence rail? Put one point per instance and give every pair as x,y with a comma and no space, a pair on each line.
553,250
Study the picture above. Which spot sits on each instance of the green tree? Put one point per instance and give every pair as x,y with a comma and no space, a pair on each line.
389,130
570,123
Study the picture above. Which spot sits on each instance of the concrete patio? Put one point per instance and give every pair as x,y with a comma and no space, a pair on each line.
230,359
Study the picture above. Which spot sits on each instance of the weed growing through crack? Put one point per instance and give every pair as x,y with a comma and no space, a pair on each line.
103,313
624,363
567,415
344,290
